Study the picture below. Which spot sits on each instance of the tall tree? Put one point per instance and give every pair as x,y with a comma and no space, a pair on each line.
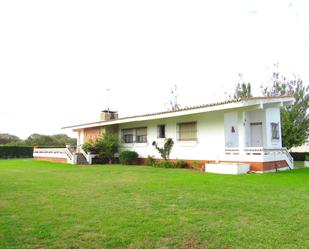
49,140
243,89
173,104
295,118
6,138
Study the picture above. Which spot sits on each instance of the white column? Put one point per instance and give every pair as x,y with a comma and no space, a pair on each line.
241,130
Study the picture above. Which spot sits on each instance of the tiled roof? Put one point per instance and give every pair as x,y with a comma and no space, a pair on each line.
185,109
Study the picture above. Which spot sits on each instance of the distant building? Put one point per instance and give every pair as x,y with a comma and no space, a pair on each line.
303,148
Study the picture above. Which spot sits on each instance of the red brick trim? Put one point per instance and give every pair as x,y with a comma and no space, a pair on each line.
254,166
51,159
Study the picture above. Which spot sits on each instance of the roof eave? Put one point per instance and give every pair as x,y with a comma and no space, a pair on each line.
286,100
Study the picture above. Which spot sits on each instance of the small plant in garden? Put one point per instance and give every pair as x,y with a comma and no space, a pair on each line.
150,161
128,157
196,165
105,146
89,147
307,158
166,150
181,164
164,164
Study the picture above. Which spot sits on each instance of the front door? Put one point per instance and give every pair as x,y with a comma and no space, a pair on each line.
256,134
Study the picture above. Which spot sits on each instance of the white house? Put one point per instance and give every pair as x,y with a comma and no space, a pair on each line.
244,131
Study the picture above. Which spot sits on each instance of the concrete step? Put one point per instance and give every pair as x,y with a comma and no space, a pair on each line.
81,159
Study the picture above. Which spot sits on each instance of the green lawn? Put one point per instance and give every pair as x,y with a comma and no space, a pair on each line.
49,205
299,164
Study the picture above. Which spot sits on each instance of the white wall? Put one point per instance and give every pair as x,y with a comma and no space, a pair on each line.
209,145
272,116
254,116
230,122
213,133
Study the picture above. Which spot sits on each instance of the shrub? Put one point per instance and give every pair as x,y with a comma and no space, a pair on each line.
150,161
128,157
181,164
307,158
196,165
16,152
167,148
89,147
105,147
164,164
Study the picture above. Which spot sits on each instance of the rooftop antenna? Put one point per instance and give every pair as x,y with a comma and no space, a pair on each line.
108,93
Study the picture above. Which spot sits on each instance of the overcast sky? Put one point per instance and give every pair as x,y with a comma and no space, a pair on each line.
58,57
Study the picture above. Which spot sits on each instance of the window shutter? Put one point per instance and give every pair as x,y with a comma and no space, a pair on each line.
187,131
141,131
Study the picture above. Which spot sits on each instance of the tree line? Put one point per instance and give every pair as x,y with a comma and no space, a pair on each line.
58,140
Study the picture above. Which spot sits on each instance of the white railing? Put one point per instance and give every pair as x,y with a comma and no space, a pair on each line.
69,155
50,152
258,154
63,153
291,159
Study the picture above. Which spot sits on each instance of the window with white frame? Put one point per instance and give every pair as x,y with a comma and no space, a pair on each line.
127,136
274,130
141,135
187,131
134,135
161,131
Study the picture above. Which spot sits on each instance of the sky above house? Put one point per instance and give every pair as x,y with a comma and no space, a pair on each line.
58,58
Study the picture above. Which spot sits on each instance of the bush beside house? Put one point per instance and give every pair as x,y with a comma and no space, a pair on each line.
128,157
106,146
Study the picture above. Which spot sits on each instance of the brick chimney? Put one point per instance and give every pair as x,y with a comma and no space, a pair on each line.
107,115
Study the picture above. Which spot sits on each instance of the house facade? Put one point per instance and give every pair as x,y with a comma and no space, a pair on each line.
237,131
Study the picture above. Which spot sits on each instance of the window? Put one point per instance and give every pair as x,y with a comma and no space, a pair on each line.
127,135
134,135
274,130
187,131
161,131
141,135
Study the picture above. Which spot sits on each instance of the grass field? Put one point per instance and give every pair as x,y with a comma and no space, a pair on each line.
50,205
298,164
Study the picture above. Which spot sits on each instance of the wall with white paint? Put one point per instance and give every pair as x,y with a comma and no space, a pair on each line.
272,116
231,129
214,133
210,141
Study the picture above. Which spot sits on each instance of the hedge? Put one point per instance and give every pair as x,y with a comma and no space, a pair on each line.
16,152
128,157
299,156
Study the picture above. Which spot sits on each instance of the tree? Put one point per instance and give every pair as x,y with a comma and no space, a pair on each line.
49,140
173,103
243,90
295,118
6,138
166,149
105,146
